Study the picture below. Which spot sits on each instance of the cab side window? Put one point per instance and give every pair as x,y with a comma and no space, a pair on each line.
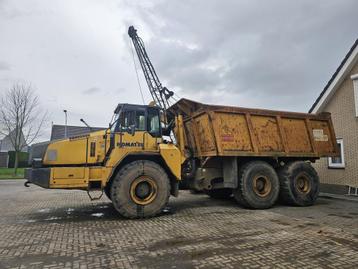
127,120
153,122
140,120
130,118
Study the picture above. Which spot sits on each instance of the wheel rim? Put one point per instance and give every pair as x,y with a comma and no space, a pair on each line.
262,185
303,184
143,190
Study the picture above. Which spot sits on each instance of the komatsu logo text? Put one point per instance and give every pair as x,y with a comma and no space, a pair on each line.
130,144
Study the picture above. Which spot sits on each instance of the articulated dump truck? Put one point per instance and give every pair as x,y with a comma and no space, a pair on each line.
150,152
257,156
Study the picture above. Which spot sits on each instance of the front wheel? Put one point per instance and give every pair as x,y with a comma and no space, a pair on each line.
140,189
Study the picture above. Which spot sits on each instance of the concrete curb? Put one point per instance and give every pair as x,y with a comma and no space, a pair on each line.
344,197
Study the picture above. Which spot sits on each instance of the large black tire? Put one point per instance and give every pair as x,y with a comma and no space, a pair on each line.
258,186
219,193
299,184
140,189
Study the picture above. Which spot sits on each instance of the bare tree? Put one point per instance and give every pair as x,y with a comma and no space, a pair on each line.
21,117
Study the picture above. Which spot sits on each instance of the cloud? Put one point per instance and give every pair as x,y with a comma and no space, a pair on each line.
274,52
91,90
4,66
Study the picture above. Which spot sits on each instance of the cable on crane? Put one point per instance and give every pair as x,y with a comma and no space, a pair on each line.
135,68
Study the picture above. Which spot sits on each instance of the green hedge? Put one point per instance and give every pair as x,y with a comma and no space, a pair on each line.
23,159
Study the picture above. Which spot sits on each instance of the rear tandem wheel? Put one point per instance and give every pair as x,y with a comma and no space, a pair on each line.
258,186
299,184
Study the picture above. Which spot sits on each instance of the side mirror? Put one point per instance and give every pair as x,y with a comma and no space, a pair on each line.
131,129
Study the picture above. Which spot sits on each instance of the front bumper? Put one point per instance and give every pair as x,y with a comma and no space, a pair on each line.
39,176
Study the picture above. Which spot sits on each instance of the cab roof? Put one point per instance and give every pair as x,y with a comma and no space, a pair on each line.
133,106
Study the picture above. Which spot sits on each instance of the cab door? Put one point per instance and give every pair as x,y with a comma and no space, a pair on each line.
132,129
137,130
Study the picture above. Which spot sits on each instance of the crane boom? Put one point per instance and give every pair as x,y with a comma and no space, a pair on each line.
160,94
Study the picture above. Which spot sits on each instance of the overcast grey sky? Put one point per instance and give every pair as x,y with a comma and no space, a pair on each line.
271,54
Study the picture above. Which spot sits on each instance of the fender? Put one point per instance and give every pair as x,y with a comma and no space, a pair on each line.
173,158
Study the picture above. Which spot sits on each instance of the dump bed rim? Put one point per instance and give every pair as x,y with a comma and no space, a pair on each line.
203,108
269,113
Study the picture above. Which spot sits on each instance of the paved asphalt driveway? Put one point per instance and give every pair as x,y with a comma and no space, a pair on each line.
63,229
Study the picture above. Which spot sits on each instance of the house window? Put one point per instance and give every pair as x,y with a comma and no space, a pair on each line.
337,162
355,89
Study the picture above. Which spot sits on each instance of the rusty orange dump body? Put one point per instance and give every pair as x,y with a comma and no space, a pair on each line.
234,131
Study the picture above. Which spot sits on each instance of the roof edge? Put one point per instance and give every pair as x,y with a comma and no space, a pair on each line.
335,75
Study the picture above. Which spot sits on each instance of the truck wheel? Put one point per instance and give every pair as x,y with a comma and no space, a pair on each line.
258,185
140,189
219,193
299,184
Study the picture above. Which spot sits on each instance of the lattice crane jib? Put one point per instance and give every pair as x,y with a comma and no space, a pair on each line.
161,95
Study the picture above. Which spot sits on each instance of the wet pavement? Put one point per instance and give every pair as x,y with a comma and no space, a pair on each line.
64,229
